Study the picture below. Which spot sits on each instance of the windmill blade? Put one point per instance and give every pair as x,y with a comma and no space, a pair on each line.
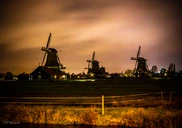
133,58
89,61
43,58
47,47
138,54
48,42
59,61
135,66
93,57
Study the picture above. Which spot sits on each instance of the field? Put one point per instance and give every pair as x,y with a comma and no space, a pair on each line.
119,87
154,110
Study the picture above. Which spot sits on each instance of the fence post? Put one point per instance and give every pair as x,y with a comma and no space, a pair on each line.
162,95
45,113
102,104
170,97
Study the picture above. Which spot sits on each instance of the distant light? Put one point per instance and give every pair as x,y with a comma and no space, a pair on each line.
63,77
83,80
91,74
108,76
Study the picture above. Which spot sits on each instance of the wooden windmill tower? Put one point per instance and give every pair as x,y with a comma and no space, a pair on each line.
93,66
141,67
51,56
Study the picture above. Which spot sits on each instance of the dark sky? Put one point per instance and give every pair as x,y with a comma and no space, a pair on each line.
114,29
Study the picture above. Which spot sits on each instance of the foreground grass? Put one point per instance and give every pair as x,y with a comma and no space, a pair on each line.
163,115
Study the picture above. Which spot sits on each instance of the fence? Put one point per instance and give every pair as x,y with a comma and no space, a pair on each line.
102,101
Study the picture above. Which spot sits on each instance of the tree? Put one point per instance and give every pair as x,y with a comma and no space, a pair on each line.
129,72
154,69
1,76
8,76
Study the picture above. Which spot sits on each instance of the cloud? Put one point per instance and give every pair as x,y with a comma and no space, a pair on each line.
114,29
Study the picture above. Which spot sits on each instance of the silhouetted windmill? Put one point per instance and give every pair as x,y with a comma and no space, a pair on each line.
93,66
52,59
141,68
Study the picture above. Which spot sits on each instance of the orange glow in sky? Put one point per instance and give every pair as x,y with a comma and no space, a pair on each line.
114,29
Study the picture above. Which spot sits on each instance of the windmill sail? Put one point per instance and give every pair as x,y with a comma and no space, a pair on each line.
46,48
138,54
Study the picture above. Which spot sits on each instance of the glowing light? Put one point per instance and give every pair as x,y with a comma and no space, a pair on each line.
63,77
91,74
83,80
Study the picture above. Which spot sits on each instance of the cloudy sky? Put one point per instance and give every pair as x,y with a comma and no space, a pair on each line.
114,29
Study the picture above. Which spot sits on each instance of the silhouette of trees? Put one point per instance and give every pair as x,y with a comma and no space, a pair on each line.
8,76
1,76
154,69
129,72
23,76
171,70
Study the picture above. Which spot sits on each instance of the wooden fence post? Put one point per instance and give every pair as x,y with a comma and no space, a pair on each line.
45,113
170,97
102,104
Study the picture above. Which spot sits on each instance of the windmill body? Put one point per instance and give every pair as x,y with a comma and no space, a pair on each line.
51,56
51,60
141,67
93,67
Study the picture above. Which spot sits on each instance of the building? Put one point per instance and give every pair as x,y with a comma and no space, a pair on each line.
45,73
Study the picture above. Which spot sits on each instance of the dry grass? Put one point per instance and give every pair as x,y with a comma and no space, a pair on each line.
144,103
90,116
162,115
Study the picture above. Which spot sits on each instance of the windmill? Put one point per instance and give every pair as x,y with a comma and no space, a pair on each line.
51,55
93,65
141,68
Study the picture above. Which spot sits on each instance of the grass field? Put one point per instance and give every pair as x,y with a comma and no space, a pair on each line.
130,113
88,88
